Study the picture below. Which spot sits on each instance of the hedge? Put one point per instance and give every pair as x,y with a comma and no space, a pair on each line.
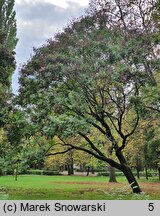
42,172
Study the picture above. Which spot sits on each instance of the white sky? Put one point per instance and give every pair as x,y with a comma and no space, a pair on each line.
61,3
39,20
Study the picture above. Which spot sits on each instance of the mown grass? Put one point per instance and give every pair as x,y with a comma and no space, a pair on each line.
34,187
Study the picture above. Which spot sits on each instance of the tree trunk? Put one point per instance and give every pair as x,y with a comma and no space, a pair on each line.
146,172
70,165
128,173
137,169
112,175
131,179
16,173
70,169
88,170
92,170
159,173
81,168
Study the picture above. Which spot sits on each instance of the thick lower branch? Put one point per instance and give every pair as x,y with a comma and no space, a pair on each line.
102,158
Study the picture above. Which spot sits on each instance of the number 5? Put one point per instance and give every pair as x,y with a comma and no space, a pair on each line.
151,207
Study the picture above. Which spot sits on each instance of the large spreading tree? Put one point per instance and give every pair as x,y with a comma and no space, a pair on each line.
88,81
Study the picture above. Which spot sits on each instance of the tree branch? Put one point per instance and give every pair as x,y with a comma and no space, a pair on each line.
91,144
153,108
58,153
103,158
135,126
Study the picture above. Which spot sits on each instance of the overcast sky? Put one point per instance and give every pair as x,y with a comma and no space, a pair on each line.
39,20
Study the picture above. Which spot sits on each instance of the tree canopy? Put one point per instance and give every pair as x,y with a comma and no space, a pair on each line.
92,76
8,42
8,123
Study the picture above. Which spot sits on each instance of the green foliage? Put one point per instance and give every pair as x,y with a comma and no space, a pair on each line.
3,193
103,174
87,86
42,172
8,42
8,24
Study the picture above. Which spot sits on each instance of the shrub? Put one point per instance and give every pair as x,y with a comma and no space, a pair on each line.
47,172
103,174
42,172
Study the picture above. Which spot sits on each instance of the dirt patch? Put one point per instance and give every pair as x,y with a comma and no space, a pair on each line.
154,184
65,173
150,187
147,187
115,189
87,183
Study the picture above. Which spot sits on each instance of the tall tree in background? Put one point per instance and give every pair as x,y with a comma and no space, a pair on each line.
8,24
8,43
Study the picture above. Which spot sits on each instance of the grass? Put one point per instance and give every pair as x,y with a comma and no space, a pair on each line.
35,187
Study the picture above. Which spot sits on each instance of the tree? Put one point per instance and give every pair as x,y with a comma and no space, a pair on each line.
136,152
67,161
80,160
12,137
89,78
152,145
8,42
8,24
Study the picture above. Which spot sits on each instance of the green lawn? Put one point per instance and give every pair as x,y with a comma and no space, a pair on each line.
35,187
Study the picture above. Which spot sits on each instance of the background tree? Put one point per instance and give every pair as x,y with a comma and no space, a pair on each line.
82,162
152,148
8,42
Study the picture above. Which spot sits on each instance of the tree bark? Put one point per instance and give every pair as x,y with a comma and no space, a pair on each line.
137,169
70,169
112,175
70,165
159,173
131,179
88,170
92,170
146,172
111,169
81,168
128,173
16,173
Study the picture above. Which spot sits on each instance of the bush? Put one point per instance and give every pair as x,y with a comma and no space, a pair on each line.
3,193
107,174
42,172
34,172
103,174
46,172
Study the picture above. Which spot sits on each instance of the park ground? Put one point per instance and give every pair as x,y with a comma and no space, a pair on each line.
38,187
